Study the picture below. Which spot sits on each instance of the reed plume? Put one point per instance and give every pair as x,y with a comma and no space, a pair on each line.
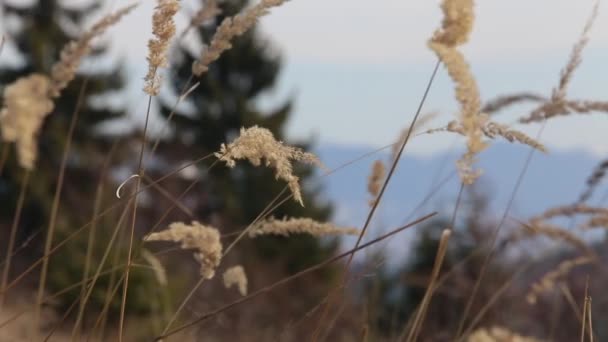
64,71
256,144
26,104
228,30
455,30
286,227
235,276
203,239
163,29
558,104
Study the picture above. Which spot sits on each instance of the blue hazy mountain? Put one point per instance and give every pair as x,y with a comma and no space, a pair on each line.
551,179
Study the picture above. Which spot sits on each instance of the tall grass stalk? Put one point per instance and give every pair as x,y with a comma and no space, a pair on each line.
56,200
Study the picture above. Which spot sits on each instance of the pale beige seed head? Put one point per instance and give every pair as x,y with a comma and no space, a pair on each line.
458,17
235,276
257,144
203,239
290,226
64,71
374,182
163,29
26,104
229,29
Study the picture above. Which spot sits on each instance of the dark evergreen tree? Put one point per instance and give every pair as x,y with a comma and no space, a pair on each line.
224,102
42,30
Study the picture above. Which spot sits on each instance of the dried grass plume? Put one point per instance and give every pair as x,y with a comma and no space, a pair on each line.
291,226
163,28
256,144
26,104
235,275
204,239
374,182
64,71
455,30
228,30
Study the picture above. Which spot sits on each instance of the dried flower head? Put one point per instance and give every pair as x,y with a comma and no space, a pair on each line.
163,29
558,104
204,239
498,334
457,24
235,275
228,30
291,226
374,182
491,130
256,143
26,104
64,71
549,280
503,101
456,27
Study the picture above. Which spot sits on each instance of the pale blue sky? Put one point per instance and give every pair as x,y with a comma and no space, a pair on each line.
357,68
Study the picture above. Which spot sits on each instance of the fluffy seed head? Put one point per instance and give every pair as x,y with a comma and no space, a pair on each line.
291,226
256,144
26,104
235,275
64,71
163,29
204,240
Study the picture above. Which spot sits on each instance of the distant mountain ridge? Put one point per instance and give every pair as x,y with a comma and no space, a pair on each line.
551,179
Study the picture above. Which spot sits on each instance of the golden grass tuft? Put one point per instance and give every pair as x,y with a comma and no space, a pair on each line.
163,29
256,144
228,30
456,28
235,276
203,239
287,227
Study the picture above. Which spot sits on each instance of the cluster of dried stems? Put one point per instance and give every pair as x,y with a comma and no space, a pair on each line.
29,100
